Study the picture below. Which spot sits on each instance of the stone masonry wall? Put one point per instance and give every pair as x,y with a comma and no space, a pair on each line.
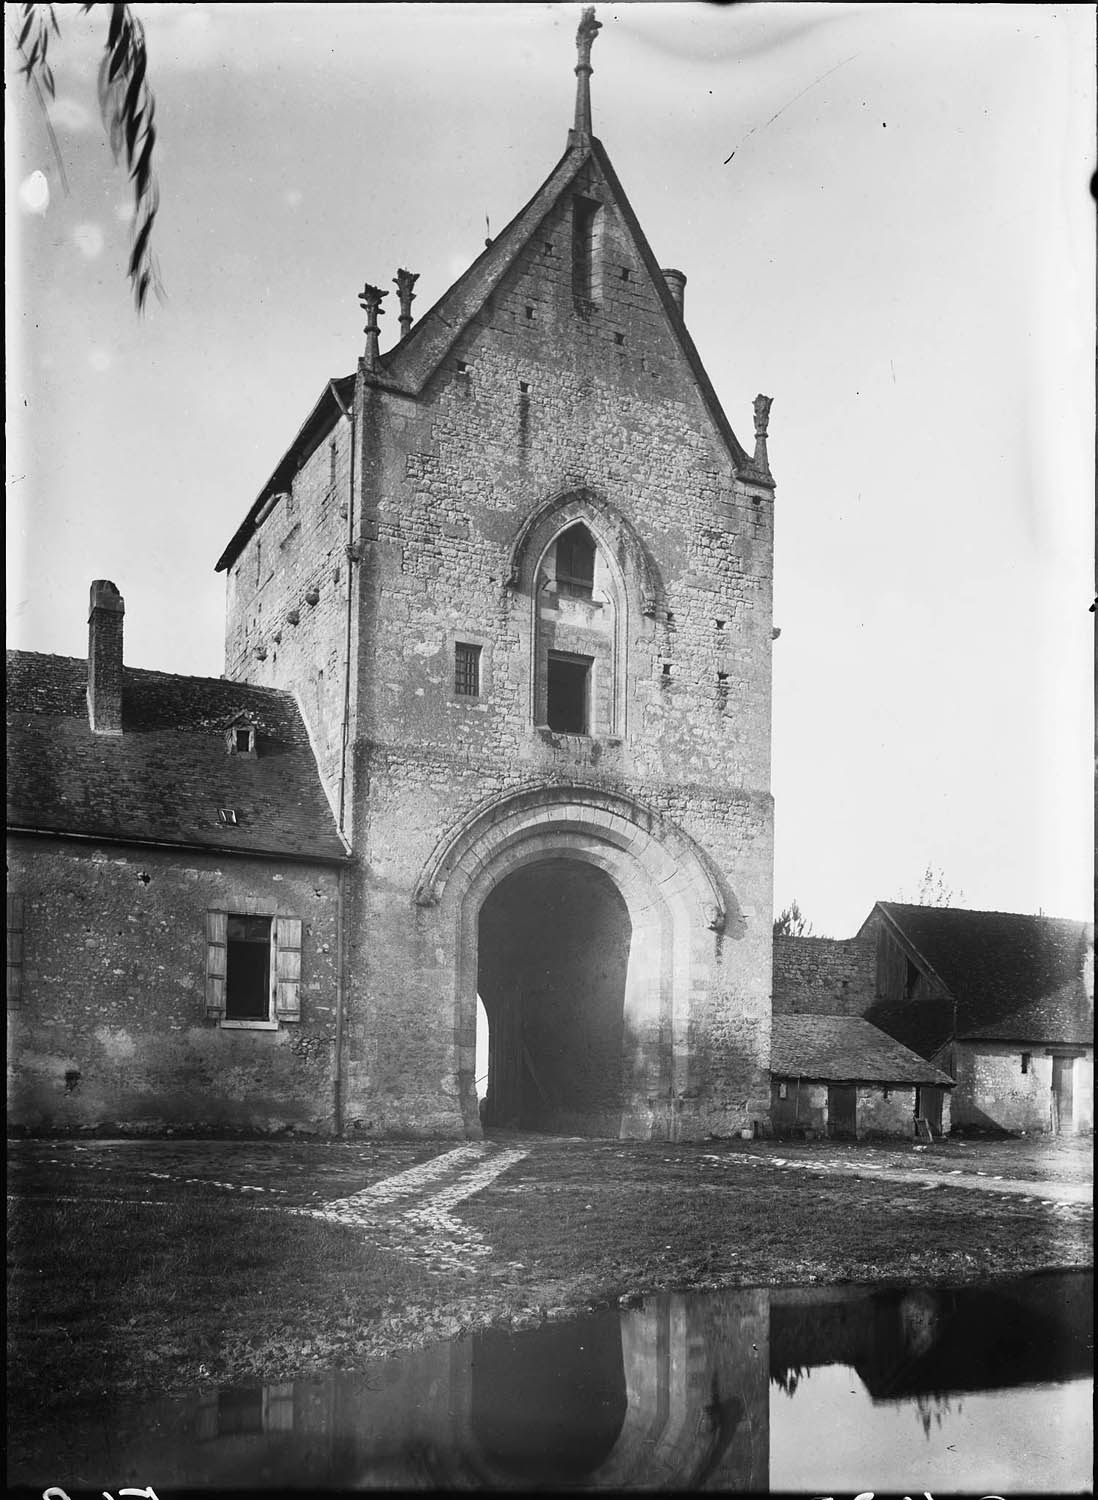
287,599
111,1031
823,976
540,397
993,1093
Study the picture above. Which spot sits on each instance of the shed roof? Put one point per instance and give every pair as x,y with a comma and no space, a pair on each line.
845,1049
165,777
1014,977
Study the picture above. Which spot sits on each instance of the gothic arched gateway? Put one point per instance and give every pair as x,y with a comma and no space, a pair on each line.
651,915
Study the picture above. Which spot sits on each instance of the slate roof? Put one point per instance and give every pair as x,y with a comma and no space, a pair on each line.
844,1049
1013,977
165,777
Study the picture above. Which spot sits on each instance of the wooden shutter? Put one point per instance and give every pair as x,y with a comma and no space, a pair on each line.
15,949
217,952
287,968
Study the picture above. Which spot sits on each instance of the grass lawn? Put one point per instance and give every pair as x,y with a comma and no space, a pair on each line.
136,1272
107,1299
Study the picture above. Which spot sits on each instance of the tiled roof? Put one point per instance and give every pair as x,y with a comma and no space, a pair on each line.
1014,977
923,1025
844,1049
165,777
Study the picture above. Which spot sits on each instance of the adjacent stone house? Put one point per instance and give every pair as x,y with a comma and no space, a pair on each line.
502,615
1002,1001
173,907
839,1076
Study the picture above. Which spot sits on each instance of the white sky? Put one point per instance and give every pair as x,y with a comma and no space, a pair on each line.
900,252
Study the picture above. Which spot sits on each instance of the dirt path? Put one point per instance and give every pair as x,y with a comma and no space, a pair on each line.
954,1177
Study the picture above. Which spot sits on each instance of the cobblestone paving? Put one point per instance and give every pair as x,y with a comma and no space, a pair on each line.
412,1212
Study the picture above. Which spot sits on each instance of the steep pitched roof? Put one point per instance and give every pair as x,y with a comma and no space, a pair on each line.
844,1049
1013,977
410,364
165,777
331,404
416,358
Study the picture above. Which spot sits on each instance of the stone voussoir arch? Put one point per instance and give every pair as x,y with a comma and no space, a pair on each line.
617,536
675,862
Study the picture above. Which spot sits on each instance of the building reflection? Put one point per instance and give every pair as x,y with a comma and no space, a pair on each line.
674,1393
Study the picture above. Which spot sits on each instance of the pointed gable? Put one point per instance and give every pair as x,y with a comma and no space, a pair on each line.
631,289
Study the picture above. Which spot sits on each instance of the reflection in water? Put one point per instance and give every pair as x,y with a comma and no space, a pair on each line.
740,1390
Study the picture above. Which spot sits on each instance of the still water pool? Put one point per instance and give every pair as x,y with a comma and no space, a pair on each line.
843,1389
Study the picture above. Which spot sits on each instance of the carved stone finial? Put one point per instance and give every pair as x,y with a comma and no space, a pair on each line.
370,298
762,425
404,281
589,29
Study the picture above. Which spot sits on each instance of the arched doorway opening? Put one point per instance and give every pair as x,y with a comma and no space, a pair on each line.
553,957
676,908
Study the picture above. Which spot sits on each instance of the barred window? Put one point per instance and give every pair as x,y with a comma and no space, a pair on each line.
467,670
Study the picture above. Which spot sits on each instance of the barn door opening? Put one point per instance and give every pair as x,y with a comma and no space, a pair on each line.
553,952
1063,1096
842,1111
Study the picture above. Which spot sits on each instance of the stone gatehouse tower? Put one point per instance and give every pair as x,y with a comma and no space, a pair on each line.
517,572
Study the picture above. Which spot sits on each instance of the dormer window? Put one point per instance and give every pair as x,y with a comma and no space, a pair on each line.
575,565
227,815
241,739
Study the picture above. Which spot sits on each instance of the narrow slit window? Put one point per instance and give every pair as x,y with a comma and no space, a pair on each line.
585,212
1026,1060
248,969
466,670
568,683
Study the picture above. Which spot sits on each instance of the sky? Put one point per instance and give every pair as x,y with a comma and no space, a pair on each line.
884,216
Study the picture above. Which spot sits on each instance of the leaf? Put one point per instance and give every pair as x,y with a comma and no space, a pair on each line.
141,171
117,59
133,128
118,16
136,79
27,24
140,241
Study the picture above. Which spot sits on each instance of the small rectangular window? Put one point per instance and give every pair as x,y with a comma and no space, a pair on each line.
466,670
568,681
1027,1058
248,969
783,1091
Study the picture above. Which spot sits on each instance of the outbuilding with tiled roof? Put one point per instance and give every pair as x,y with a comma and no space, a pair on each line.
842,1077
1004,1001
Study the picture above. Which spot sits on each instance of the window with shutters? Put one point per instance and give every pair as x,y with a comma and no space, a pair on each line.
253,969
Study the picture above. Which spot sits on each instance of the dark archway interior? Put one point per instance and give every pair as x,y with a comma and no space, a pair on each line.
553,955
547,1410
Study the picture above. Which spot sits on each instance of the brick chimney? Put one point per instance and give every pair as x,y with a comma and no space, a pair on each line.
105,658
